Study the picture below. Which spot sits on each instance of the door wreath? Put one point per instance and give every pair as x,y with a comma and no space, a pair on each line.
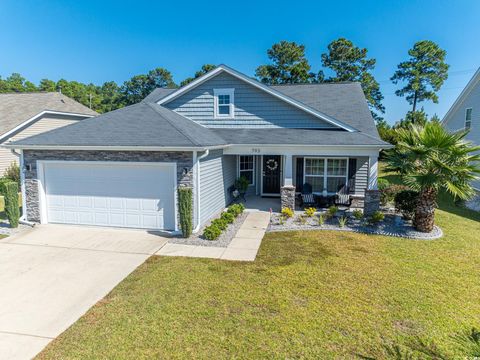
271,164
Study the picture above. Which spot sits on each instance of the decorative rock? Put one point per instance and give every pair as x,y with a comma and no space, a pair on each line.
371,202
287,195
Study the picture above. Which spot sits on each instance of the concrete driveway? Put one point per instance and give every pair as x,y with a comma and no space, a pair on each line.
52,274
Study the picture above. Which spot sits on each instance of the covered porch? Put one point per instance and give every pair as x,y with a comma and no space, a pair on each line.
278,176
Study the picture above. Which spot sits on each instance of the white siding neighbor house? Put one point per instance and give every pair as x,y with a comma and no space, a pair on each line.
465,113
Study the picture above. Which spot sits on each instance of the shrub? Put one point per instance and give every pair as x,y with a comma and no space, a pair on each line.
383,183
185,210
357,214
342,221
13,173
406,202
242,184
236,209
376,217
332,210
211,232
387,195
220,223
310,211
287,212
9,189
321,219
228,217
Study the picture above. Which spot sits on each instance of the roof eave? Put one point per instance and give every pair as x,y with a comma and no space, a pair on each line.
111,148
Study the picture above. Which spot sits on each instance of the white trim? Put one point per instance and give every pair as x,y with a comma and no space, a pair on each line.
470,121
9,133
280,176
112,148
197,185
300,150
253,169
42,190
22,186
325,171
231,106
468,88
258,85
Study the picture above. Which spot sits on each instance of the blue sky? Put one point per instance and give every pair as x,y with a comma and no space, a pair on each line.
98,41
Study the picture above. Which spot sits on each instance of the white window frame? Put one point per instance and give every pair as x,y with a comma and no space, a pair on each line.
469,121
239,172
216,94
325,171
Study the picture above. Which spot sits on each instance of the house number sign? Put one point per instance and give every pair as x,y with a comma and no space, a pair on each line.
256,150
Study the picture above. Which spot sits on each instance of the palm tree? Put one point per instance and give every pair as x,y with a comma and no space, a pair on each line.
429,159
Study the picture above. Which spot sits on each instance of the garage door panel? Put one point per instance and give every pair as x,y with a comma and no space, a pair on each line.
123,195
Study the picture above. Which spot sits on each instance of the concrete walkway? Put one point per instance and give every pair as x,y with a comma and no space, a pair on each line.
52,274
243,247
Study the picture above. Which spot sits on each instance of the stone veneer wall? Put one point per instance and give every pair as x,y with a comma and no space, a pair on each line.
287,197
183,159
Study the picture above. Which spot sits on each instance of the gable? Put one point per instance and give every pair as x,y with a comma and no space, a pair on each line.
254,108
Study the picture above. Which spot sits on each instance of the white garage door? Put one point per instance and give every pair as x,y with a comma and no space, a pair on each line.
110,194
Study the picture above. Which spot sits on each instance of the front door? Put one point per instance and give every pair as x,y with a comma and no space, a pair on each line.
271,176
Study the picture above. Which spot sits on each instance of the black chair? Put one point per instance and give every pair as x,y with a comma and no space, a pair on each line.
308,199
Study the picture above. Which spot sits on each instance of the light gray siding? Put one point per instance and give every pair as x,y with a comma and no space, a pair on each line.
253,107
217,174
456,119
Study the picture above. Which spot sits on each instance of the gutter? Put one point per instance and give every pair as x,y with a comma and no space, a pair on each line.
23,219
197,186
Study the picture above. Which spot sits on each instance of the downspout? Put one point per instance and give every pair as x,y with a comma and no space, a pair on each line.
197,186
23,219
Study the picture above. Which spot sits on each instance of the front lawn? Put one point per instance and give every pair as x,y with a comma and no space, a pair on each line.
307,295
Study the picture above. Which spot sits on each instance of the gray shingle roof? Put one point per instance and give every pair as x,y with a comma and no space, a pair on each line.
343,101
296,136
19,107
158,94
142,124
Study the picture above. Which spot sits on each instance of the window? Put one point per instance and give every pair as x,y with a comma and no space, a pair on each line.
246,165
468,118
224,106
329,174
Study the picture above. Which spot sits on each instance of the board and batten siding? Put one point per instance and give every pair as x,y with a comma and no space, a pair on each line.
456,119
253,107
44,124
217,174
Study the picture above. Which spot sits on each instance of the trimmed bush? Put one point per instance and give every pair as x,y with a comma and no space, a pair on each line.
332,210
382,183
220,223
376,217
406,202
228,217
357,214
185,210
211,232
236,209
9,189
387,195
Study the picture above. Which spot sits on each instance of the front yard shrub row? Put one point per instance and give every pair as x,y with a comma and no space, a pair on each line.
214,230
9,189
185,210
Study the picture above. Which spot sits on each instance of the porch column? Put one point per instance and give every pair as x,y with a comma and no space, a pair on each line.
288,172
373,173
372,195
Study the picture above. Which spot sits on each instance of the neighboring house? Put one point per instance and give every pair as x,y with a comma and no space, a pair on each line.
123,168
465,113
26,114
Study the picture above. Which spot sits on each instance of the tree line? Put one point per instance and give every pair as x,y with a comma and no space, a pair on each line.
420,76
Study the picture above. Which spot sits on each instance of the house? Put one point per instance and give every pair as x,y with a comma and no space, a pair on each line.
123,168
26,114
465,113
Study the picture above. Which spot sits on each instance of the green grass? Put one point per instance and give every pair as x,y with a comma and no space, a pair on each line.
307,295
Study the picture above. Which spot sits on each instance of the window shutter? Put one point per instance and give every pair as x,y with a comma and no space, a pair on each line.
352,170
299,175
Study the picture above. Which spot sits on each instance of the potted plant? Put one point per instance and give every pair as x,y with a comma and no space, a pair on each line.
241,184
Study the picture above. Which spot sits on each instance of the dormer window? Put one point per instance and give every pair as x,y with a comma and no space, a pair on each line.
224,105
